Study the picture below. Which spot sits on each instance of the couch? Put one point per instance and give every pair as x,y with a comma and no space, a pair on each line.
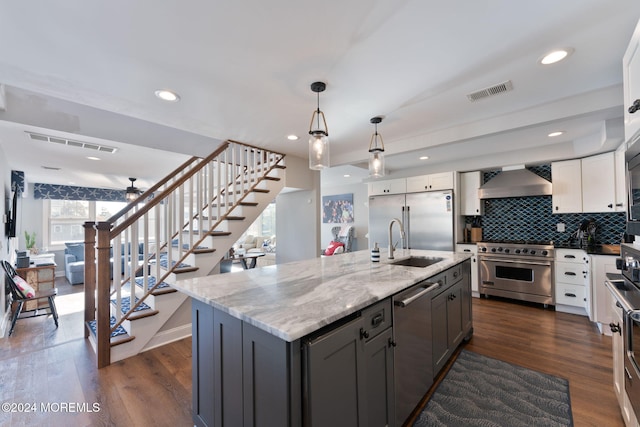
74,261
253,244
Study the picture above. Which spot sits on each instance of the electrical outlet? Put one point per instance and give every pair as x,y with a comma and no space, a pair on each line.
560,227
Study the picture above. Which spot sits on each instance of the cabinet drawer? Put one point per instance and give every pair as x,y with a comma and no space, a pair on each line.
377,318
570,255
570,295
571,273
46,274
454,275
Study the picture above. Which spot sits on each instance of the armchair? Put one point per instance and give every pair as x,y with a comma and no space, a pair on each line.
74,261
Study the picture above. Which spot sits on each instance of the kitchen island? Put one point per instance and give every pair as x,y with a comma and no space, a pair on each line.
251,329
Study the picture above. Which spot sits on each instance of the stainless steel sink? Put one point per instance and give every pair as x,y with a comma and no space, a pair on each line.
417,261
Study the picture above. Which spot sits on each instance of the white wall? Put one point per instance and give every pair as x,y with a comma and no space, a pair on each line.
30,219
5,193
360,214
298,225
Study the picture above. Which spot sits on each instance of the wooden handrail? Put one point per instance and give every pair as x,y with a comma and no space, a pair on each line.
181,259
151,190
156,200
262,162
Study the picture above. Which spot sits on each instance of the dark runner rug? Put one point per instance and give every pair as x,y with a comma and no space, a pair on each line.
481,391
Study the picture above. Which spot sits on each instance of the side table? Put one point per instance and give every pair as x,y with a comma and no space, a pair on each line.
40,278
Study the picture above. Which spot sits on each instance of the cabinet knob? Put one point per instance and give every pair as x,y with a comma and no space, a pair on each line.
610,205
634,107
363,333
391,343
615,327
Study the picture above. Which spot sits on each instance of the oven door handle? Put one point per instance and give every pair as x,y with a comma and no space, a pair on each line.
510,261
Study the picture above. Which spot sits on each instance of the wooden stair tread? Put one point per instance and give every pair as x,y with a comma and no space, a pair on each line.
228,217
163,291
121,339
180,270
243,203
142,314
219,233
204,251
118,339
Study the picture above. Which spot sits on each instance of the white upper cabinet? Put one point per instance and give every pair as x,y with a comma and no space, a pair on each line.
432,182
631,79
598,183
470,204
389,186
567,186
621,179
592,184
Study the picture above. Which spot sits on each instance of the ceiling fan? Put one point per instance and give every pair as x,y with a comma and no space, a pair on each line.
132,192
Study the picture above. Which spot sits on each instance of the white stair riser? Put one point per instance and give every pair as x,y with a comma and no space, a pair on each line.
145,330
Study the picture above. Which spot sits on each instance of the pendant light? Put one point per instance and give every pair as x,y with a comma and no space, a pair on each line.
376,153
318,135
132,192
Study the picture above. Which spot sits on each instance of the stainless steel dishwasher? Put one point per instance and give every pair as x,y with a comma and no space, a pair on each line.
413,367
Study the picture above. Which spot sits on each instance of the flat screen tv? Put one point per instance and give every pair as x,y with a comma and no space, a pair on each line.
10,228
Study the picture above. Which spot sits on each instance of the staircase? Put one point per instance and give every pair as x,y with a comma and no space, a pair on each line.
180,228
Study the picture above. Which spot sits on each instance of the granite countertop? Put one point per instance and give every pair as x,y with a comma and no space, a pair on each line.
599,249
294,299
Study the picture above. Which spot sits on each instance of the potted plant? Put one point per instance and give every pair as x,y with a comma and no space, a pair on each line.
30,242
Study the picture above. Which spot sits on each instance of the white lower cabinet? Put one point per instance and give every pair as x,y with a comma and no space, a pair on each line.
600,307
473,249
617,346
572,281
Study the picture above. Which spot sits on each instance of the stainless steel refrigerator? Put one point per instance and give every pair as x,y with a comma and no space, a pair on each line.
427,218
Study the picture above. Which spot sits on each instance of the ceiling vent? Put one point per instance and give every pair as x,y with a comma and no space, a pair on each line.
72,143
490,91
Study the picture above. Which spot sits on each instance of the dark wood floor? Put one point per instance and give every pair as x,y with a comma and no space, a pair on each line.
560,344
43,365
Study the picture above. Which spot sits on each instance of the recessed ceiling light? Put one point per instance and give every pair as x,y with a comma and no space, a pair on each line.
555,56
424,157
93,158
346,175
557,133
292,137
167,95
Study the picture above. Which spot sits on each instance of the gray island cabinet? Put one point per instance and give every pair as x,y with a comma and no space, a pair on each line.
312,343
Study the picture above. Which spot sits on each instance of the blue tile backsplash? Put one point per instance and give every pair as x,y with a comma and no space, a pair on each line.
531,218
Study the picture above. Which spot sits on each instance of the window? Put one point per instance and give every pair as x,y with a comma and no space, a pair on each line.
265,224
65,218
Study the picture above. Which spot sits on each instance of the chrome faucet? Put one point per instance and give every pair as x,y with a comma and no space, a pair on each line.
391,247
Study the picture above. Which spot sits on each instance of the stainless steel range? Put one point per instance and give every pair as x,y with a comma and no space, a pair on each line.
521,270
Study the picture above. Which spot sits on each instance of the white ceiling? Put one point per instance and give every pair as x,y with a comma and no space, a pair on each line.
88,71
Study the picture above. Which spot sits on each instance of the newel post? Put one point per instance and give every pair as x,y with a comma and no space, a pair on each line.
89,275
103,313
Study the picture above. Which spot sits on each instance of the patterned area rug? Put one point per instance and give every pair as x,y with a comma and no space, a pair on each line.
481,391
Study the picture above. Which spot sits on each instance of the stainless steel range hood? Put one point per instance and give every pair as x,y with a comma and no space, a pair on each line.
515,183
